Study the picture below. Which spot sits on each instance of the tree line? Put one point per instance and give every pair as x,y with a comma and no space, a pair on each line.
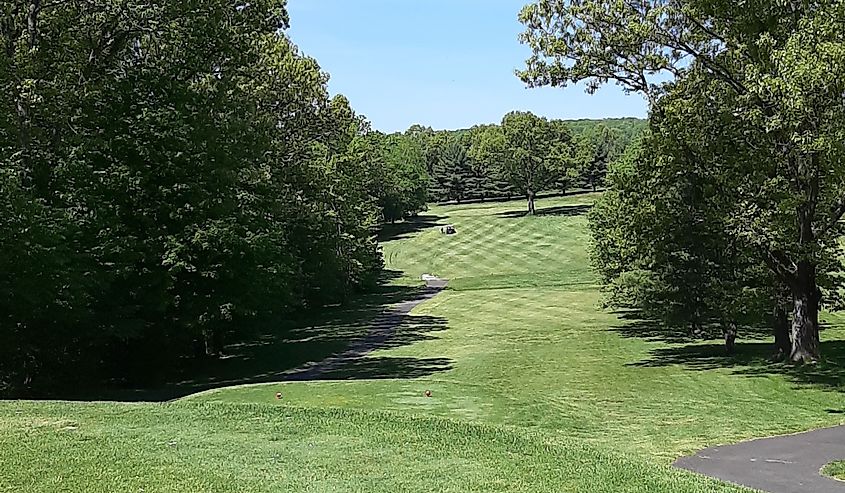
523,155
170,174
728,212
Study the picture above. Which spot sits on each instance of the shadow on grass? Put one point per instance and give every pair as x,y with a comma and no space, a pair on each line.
408,227
753,359
330,345
636,326
750,358
509,198
563,210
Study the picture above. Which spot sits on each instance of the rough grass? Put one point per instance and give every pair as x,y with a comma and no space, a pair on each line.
537,389
835,470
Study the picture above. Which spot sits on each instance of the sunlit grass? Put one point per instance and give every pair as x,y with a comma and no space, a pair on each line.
257,448
543,391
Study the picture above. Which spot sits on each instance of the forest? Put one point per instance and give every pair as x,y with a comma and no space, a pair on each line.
467,164
174,174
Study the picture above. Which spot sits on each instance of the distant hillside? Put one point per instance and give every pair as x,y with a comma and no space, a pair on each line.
629,126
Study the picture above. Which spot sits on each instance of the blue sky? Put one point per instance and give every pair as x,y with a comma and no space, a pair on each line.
441,63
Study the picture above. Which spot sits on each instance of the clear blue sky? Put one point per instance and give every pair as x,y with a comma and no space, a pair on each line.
441,63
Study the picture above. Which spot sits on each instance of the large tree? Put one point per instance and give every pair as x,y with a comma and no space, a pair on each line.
402,180
779,69
487,151
596,148
534,155
453,170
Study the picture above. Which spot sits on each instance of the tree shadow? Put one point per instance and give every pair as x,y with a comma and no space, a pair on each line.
408,227
750,358
562,210
331,344
753,359
509,198
635,325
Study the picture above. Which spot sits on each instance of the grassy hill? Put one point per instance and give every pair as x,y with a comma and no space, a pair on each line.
258,448
534,388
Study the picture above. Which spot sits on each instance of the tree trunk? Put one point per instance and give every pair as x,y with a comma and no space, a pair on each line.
213,340
805,315
783,345
805,292
530,203
729,333
695,329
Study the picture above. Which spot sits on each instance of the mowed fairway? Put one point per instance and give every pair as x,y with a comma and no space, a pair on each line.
542,391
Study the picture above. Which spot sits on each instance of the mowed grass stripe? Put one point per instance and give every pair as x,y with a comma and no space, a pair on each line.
530,347
492,245
540,391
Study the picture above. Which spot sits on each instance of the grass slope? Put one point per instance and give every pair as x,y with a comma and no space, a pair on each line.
536,389
257,448
530,348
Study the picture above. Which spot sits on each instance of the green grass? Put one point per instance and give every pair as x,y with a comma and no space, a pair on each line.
496,247
534,350
534,388
835,470
256,448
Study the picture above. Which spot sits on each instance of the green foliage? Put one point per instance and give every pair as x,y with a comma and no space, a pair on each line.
484,176
627,128
453,171
172,173
660,245
487,149
753,96
403,182
536,153
835,469
597,147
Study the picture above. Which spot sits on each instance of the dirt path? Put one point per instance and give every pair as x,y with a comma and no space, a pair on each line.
383,327
784,464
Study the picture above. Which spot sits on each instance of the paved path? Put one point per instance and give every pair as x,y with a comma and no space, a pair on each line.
785,464
383,327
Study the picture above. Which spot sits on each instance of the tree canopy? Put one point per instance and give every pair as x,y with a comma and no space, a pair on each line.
480,171
747,95
171,173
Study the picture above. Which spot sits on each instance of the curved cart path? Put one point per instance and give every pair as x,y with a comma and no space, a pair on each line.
784,464
383,327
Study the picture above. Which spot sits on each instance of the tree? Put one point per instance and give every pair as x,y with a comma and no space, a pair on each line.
172,173
596,148
661,245
453,171
534,155
404,180
487,152
778,67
